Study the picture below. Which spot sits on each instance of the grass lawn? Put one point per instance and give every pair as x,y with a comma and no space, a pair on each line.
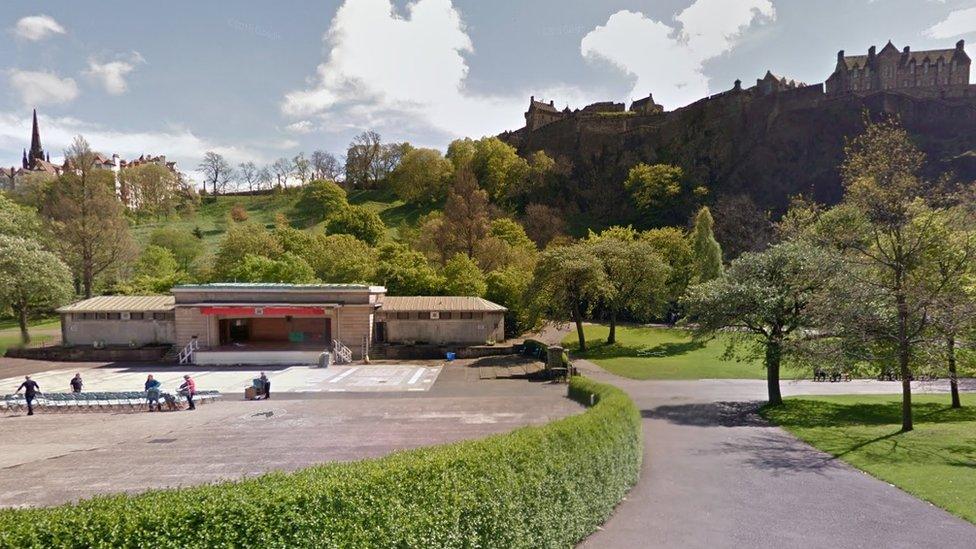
935,462
667,354
10,332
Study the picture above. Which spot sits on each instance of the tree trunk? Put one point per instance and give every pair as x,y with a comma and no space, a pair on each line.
953,380
904,356
612,338
22,320
774,354
87,281
578,319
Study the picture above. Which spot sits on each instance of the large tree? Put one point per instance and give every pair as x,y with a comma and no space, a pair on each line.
302,167
407,272
241,240
17,220
636,274
567,282
466,220
86,219
463,277
249,174
705,249
185,247
151,189
281,170
31,280
359,221
766,299
216,171
887,232
422,177
325,166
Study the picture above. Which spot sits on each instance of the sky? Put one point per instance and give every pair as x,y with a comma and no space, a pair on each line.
258,81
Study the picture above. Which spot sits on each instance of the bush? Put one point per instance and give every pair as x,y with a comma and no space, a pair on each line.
238,213
547,486
363,223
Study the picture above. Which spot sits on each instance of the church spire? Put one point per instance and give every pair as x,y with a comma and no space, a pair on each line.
36,152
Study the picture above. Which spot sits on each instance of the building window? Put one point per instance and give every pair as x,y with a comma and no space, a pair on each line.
101,316
465,316
163,316
135,316
403,316
445,315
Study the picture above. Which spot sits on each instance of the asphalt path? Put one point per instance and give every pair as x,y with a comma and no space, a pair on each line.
716,475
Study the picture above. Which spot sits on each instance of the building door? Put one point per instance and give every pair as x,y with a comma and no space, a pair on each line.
380,332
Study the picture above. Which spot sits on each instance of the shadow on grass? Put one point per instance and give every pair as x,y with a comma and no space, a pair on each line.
599,349
806,414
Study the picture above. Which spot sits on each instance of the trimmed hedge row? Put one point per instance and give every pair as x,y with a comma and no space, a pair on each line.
547,486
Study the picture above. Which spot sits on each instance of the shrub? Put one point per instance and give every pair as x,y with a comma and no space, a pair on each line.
547,486
363,223
238,213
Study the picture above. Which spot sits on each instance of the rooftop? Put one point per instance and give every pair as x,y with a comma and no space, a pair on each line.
265,286
438,303
122,303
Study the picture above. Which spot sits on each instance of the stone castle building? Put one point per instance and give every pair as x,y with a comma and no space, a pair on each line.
924,73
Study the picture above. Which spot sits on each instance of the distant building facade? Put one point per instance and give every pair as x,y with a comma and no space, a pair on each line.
930,72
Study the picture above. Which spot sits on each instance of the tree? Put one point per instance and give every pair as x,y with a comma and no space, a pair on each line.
655,187
156,271
543,223
361,159
567,281
86,219
466,213
673,246
766,298
461,153
31,280
497,167
216,171
248,174
886,232
406,272
241,240
463,277
325,166
706,250
151,189
636,275
302,168
17,220
508,288
422,177
322,199
281,170
359,221
740,225
264,178
181,243
341,258
287,268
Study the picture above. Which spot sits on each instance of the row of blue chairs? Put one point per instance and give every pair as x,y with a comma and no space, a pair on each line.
98,401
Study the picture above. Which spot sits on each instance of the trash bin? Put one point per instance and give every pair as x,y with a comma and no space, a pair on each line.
325,360
451,357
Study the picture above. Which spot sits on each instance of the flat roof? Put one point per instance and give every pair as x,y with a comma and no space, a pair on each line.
273,286
122,303
438,303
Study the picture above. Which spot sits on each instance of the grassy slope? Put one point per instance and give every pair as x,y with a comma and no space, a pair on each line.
213,217
671,354
10,332
936,461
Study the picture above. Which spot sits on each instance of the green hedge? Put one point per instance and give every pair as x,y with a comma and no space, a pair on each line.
547,486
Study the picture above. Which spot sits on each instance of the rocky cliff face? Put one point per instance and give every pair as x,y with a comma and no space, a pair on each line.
738,143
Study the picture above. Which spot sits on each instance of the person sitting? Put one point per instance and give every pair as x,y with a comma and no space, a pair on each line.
76,383
152,393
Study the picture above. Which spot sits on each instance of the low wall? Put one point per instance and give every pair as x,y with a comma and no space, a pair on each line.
90,354
431,352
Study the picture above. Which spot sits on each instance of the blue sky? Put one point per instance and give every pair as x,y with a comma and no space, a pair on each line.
256,81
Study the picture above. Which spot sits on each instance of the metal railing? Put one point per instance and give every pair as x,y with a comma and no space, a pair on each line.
343,354
186,355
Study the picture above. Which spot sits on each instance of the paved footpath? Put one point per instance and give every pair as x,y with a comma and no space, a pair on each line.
716,475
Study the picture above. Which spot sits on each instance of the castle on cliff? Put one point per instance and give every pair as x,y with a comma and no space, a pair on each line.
936,74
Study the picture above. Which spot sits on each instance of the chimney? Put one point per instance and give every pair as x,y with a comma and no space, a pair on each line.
905,50
532,99
871,52
738,85
960,45
552,103
840,56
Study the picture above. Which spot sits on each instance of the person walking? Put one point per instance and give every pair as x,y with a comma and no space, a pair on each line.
152,393
76,383
266,385
189,388
31,390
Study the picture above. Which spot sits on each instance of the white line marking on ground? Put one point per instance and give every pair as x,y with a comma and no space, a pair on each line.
343,375
416,376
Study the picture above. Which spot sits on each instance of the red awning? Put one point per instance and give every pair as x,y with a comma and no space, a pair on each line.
264,311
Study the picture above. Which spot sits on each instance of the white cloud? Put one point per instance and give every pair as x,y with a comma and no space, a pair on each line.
300,127
667,59
42,88
957,23
111,74
403,73
37,27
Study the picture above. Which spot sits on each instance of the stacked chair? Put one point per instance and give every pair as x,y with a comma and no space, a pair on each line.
119,401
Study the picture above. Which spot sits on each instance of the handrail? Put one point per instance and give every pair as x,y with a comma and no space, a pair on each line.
343,353
186,355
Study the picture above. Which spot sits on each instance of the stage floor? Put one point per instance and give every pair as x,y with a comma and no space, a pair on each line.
296,379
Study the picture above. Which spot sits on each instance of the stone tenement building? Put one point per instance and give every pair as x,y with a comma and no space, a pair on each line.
934,73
